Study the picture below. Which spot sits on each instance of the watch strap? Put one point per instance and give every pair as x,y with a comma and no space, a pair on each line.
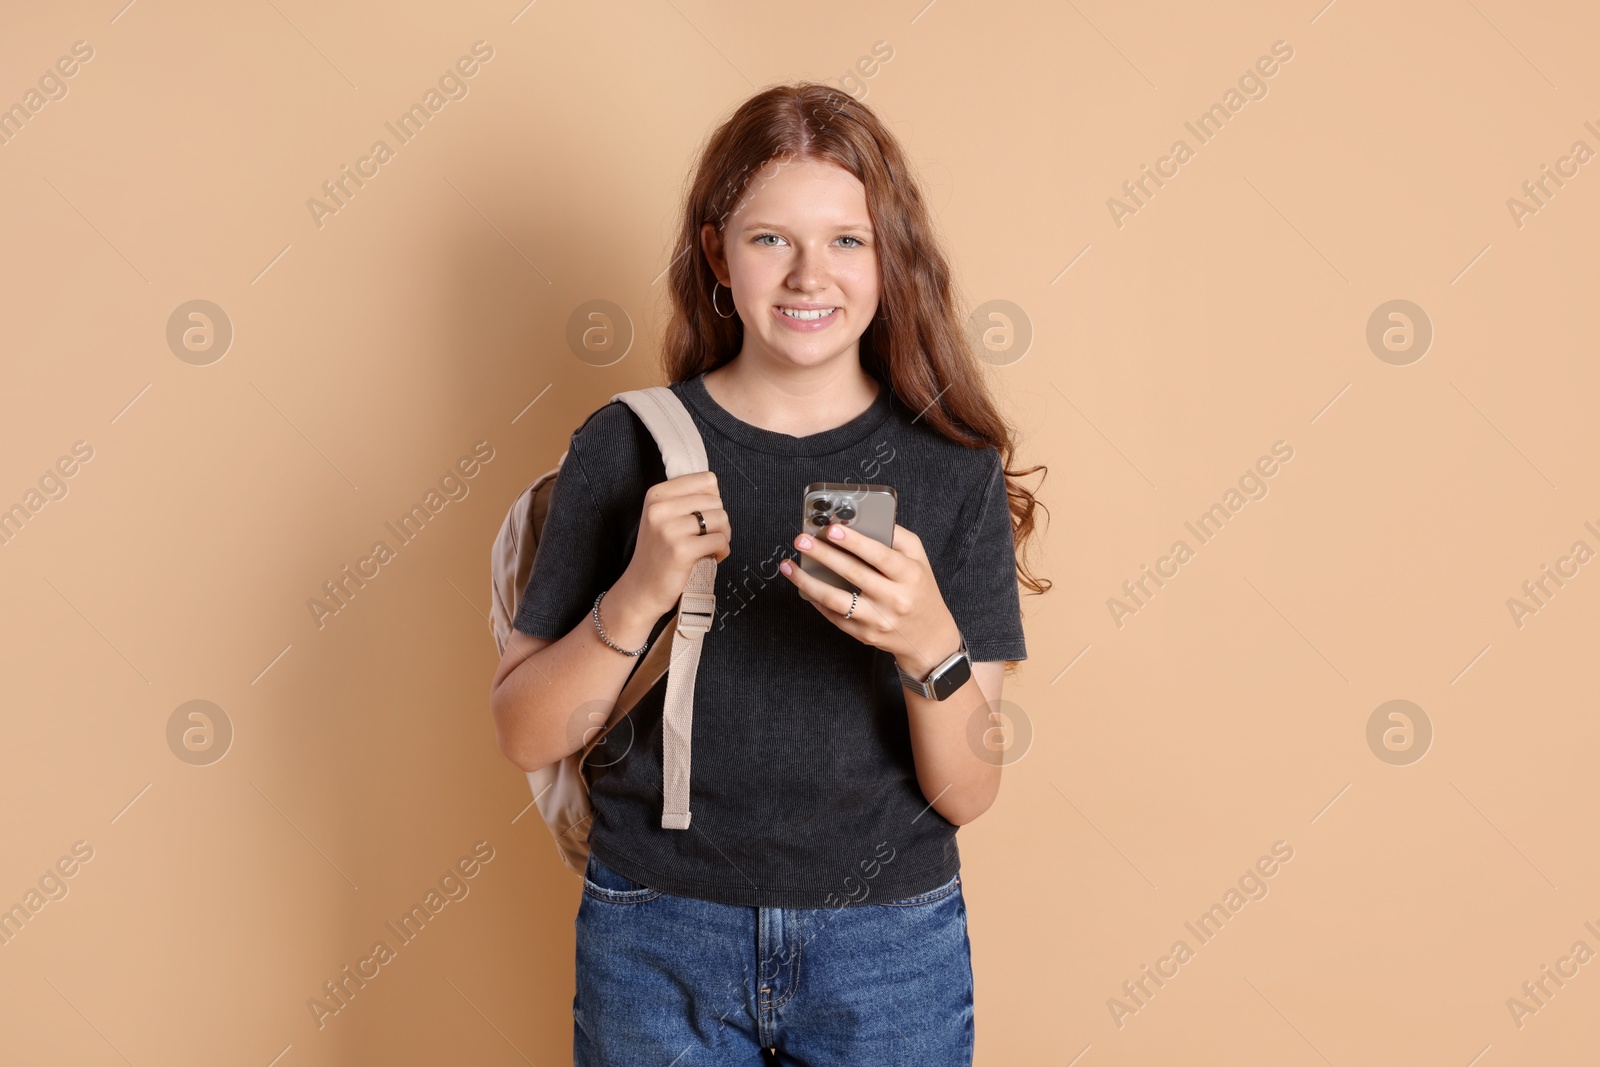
924,686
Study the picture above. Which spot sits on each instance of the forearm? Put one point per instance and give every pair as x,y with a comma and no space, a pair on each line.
549,703
959,783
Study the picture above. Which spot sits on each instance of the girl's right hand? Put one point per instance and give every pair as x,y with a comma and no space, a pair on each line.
670,542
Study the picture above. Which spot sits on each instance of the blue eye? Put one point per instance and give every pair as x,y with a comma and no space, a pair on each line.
859,243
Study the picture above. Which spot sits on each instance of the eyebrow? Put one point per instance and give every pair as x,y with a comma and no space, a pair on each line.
758,225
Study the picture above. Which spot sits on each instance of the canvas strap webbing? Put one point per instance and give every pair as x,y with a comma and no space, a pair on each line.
682,452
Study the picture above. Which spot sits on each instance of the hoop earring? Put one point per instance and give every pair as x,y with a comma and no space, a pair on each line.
720,315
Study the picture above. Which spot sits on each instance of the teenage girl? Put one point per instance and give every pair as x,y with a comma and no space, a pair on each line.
811,911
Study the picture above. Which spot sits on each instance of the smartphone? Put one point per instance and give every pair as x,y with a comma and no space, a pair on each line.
867,509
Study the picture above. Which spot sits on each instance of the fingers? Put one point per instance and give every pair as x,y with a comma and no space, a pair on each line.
856,557
699,483
850,568
676,524
671,513
818,591
665,511
687,528
906,541
669,506
687,493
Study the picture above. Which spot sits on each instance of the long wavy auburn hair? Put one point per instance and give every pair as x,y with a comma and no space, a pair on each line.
916,342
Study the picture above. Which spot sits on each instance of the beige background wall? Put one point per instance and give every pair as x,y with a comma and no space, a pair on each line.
1168,353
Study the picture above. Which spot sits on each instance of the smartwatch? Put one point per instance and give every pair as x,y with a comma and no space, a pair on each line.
944,679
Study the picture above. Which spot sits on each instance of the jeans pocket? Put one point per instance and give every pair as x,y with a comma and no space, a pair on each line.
930,897
603,883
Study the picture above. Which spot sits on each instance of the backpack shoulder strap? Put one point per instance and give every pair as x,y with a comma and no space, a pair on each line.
682,452
658,407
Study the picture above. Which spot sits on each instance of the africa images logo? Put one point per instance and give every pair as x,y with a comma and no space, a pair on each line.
453,887
341,590
452,86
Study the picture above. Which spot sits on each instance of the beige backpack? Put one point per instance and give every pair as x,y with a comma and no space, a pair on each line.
560,789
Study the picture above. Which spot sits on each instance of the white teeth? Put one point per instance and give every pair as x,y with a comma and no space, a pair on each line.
808,316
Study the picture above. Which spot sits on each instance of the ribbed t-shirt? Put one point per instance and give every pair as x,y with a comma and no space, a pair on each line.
802,791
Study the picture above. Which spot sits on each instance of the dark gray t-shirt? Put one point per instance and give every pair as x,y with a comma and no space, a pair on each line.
802,789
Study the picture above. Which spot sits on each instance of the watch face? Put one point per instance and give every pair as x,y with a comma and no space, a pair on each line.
954,677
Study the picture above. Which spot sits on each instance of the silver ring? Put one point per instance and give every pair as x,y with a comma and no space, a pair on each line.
702,519
852,610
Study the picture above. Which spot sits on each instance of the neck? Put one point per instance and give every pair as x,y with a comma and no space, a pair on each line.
798,401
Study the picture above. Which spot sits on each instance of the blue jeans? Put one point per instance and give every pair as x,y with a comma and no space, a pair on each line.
664,979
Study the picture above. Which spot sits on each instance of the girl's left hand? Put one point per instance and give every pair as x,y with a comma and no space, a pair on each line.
900,609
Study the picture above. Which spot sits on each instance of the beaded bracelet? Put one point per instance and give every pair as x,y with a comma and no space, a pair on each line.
602,630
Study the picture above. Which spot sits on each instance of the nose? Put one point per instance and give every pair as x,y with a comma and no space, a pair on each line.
810,273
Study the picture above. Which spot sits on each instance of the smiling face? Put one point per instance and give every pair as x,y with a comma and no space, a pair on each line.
800,258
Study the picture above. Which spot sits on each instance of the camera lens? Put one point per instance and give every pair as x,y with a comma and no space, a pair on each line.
846,513
820,504
819,520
